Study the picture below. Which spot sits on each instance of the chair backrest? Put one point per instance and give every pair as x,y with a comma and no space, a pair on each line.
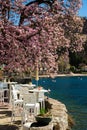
23,90
14,95
30,98
41,95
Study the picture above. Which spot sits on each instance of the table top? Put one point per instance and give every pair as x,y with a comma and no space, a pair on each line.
38,90
28,85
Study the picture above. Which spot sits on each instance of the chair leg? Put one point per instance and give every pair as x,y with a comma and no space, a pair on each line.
13,116
43,104
37,109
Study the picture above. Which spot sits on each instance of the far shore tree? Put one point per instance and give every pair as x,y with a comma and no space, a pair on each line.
36,32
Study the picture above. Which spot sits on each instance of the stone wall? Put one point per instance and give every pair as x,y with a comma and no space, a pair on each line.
59,113
59,116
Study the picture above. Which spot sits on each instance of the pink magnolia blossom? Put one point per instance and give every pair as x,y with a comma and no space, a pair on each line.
41,31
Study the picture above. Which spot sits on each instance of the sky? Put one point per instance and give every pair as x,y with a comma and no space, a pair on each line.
83,10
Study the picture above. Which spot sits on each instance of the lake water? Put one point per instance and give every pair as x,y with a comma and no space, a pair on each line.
72,91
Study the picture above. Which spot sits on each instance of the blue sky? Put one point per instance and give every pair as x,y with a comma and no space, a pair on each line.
83,10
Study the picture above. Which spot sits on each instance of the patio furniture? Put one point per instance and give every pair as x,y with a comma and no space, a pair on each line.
40,96
29,86
30,108
9,87
17,104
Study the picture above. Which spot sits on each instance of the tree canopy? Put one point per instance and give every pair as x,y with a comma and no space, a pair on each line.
32,32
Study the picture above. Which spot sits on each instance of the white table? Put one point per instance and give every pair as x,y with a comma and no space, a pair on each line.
28,85
39,95
38,90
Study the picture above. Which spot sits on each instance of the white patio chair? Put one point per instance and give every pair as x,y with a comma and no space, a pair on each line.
17,105
30,109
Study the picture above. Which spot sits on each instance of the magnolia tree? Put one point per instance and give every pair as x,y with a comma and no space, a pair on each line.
32,33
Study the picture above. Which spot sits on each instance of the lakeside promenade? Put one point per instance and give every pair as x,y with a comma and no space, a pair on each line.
62,75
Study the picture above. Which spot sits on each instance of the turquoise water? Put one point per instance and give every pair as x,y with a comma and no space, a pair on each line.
72,91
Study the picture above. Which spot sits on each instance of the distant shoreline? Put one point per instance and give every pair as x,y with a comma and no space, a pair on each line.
62,75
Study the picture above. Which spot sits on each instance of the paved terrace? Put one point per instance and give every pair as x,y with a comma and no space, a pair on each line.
5,119
58,110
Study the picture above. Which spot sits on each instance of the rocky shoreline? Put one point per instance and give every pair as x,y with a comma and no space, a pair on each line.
60,118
